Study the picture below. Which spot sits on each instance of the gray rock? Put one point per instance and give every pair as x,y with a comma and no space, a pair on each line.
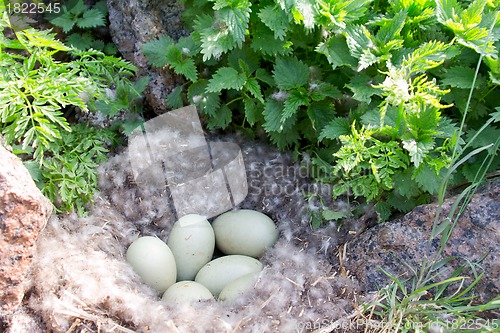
394,245
135,22
23,214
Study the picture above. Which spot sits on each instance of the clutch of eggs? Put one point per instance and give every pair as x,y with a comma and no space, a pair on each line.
243,235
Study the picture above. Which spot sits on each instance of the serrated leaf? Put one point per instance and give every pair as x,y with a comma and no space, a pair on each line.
91,18
156,50
359,40
427,179
221,118
401,203
335,128
290,73
320,114
383,210
276,20
64,22
461,77
208,102
252,85
293,102
236,16
80,41
226,78
174,98
404,183
251,111
263,41
337,52
272,116
417,150
186,67
487,136
245,55
285,139
391,28
361,86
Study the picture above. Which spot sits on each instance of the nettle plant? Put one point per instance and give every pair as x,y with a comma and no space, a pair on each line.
372,90
37,91
77,21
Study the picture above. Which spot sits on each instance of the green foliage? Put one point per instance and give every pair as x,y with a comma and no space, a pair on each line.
380,84
75,13
79,19
35,92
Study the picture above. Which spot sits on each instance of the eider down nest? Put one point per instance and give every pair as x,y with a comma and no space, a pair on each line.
80,281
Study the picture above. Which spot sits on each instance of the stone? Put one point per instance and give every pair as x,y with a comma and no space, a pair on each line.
135,22
24,212
394,245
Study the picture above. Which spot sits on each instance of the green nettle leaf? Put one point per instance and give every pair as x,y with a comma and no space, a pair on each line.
263,41
80,41
336,128
427,178
226,78
251,111
91,18
461,77
174,98
404,183
156,51
391,28
272,116
63,21
337,52
186,67
221,118
236,15
293,102
252,85
361,45
319,114
290,73
198,95
276,20
361,86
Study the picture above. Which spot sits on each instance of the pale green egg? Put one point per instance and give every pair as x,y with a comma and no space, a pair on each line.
239,286
246,232
187,291
153,261
221,271
192,242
